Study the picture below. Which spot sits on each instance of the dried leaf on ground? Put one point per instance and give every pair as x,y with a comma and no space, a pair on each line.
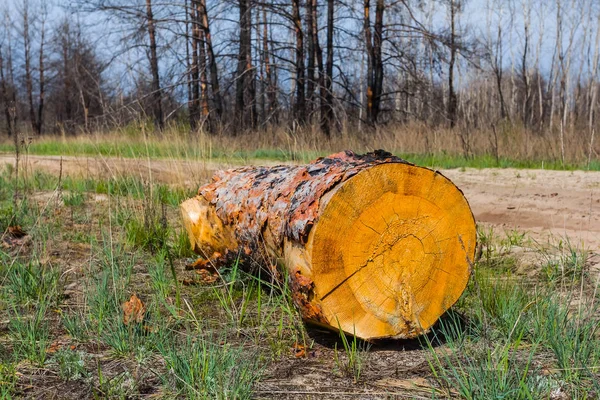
133,310
16,231
207,276
203,264
299,350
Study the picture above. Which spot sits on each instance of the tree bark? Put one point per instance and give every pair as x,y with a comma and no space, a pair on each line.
371,244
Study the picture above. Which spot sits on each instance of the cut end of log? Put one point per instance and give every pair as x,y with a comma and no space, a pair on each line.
373,246
391,251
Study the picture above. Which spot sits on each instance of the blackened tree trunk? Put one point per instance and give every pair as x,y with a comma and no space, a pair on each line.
212,63
374,43
319,59
310,68
327,107
156,89
378,61
245,89
5,100
300,106
195,69
204,109
40,114
452,102
28,73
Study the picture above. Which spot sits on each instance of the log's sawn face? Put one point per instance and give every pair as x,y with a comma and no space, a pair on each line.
372,245
392,251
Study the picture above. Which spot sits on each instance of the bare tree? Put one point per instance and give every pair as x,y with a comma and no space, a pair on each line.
374,41
156,88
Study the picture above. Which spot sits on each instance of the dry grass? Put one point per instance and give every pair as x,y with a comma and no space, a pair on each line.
506,145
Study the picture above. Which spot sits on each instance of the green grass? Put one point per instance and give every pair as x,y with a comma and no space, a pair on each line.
204,370
520,339
182,149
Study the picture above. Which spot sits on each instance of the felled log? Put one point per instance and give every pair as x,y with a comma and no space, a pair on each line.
370,243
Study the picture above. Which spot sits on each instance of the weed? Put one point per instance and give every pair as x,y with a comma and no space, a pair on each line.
70,363
73,199
31,335
514,238
75,325
355,351
203,370
569,264
500,372
120,386
8,380
30,284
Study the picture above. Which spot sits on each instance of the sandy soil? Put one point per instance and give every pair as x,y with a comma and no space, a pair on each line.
543,203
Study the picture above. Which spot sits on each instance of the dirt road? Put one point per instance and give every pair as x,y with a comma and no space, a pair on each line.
543,203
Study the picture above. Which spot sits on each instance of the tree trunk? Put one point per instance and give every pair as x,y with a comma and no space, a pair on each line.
271,92
371,244
370,58
319,55
452,109
28,77
212,63
40,113
245,93
378,66
156,90
195,69
374,44
327,109
310,68
204,109
5,100
300,108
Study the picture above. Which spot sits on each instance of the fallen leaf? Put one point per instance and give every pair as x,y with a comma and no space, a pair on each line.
54,347
207,277
16,231
133,310
299,350
189,282
202,264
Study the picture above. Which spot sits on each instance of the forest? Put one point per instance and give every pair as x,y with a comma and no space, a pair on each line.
497,77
